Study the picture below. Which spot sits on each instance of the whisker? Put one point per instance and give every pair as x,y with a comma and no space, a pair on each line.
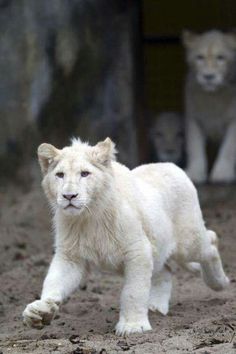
88,209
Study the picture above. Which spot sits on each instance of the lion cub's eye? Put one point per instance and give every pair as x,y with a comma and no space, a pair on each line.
220,57
60,174
85,173
199,57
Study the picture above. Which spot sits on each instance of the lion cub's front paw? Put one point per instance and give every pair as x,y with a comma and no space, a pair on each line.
125,327
40,313
223,174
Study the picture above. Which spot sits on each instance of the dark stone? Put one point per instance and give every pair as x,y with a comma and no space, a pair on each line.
75,339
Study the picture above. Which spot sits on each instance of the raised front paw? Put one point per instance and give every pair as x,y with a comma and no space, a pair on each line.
127,327
40,313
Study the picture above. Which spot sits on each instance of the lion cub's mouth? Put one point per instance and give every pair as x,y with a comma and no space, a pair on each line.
71,206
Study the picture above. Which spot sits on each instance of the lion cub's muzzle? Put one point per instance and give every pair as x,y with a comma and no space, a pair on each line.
70,196
69,202
210,81
72,202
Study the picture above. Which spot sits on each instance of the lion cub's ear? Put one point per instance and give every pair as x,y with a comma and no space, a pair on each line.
188,38
105,152
46,155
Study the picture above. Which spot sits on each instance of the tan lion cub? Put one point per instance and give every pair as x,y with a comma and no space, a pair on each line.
210,104
125,221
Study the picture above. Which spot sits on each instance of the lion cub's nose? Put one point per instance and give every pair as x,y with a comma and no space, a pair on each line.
69,196
209,77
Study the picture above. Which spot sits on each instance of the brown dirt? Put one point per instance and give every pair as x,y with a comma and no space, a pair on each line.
199,321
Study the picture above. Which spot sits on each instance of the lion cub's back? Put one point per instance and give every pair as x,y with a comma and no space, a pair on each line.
166,177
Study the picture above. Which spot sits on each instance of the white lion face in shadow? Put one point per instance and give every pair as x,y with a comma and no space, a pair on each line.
211,56
167,137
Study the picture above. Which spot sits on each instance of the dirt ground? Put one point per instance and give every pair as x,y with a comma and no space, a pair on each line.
200,320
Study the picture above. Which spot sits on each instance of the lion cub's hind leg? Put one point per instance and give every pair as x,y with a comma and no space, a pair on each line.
160,292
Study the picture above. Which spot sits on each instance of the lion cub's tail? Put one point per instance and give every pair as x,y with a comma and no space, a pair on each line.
212,270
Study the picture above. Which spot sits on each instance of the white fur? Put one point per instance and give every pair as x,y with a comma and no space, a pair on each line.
125,221
211,104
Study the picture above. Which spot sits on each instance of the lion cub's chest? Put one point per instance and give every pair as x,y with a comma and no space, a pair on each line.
213,111
98,246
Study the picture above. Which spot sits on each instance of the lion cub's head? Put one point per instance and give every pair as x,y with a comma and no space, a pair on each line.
211,57
76,177
167,137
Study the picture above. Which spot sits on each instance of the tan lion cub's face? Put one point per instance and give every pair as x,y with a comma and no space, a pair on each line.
76,176
211,57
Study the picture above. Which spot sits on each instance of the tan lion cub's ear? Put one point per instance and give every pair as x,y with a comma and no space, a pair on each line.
105,151
46,155
188,38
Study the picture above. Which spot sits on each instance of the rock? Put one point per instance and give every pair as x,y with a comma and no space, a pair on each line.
75,339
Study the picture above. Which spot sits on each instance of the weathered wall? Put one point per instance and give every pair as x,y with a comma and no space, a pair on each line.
66,68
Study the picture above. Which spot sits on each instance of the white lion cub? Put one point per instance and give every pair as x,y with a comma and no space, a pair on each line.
210,102
126,221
